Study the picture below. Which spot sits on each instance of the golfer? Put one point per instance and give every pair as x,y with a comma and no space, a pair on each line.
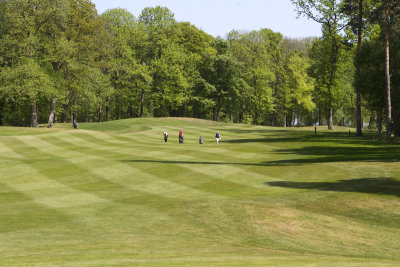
217,137
180,137
165,136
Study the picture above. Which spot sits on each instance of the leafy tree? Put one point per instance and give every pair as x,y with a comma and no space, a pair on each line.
357,12
26,82
258,51
372,77
299,87
327,13
25,28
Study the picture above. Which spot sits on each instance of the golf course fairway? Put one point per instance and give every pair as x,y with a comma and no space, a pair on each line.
115,194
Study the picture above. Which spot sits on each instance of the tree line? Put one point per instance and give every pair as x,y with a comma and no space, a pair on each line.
62,61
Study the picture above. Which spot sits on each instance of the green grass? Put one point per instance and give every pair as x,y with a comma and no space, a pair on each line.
114,194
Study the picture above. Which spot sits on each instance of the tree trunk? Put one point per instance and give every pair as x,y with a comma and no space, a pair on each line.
319,117
330,118
65,106
52,115
107,108
371,121
379,121
141,104
117,107
100,117
284,120
273,119
241,113
358,95
34,115
387,75
214,114
230,110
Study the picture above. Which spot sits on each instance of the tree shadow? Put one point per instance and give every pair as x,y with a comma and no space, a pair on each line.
378,186
285,136
309,155
325,154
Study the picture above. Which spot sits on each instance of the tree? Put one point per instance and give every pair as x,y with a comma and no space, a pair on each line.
357,12
26,82
372,77
25,25
299,87
327,12
258,51
387,72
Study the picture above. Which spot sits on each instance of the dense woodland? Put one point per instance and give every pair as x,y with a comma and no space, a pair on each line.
61,60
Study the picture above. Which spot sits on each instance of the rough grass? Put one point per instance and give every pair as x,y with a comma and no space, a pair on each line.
115,194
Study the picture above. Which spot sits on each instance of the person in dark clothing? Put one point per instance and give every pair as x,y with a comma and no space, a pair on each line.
217,137
201,140
75,124
165,136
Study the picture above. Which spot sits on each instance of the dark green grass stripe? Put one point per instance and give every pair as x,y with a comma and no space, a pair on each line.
18,211
110,164
93,184
211,184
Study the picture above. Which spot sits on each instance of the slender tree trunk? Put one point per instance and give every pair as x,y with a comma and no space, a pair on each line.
319,117
65,106
293,119
214,114
371,121
284,119
100,117
241,113
141,104
117,108
86,116
387,75
73,116
34,115
330,118
52,115
230,111
379,120
358,95
107,108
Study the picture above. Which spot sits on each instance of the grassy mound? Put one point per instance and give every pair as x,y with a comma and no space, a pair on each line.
115,194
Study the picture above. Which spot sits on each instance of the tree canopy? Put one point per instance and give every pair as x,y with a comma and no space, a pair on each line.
64,59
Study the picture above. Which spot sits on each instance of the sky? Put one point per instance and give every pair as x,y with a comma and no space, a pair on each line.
219,17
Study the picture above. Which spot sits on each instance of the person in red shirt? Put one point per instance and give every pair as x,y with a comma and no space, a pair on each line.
180,137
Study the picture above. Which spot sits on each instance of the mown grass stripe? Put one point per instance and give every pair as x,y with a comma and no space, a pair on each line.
125,175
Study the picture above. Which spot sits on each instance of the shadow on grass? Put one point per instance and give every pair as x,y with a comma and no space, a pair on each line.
378,186
309,155
287,136
325,154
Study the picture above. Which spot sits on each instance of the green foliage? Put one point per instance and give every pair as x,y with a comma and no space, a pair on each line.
258,51
152,65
